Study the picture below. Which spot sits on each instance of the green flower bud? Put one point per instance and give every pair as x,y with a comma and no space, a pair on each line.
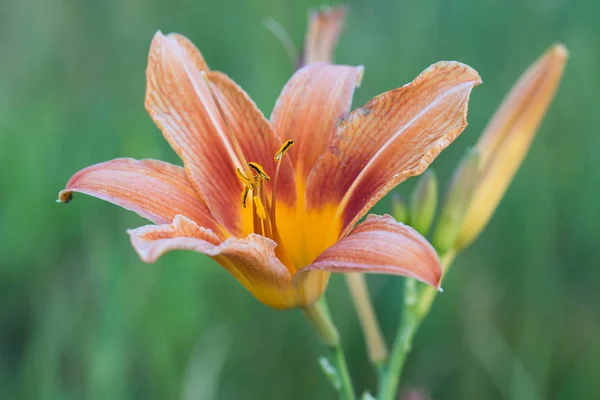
456,204
399,208
423,202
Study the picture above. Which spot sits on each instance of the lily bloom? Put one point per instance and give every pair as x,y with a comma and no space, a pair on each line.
276,202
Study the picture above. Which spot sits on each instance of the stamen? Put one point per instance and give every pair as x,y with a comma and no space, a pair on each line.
245,195
278,157
284,147
256,222
265,202
247,181
259,170
260,209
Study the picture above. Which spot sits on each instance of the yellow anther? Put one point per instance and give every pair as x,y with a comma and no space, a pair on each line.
245,195
259,170
260,209
284,147
247,181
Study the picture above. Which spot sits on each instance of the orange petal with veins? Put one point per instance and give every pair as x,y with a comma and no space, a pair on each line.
310,107
155,190
254,133
251,261
381,245
394,136
180,102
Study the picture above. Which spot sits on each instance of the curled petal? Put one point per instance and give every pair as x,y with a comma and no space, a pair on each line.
152,241
153,189
324,28
380,245
310,107
394,136
251,261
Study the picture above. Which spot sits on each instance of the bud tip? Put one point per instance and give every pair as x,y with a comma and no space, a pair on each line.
559,50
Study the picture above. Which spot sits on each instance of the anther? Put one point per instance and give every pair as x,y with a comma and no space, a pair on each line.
259,170
247,181
245,195
284,147
260,209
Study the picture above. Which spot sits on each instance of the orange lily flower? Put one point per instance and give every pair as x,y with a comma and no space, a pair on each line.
294,222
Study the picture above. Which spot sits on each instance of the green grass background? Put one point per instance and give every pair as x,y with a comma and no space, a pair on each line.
82,318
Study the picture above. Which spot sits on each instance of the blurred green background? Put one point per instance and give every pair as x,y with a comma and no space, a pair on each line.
82,318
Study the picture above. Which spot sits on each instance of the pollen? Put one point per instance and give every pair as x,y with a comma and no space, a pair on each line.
284,147
245,195
259,170
260,209
247,181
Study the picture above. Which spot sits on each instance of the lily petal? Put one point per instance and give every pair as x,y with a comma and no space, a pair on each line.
394,136
251,261
249,126
381,245
180,103
254,133
324,28
155,190
309,108
192,51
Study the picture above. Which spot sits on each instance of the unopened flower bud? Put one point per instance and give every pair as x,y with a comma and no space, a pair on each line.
507,138
423,202
399,208
324,28
457,201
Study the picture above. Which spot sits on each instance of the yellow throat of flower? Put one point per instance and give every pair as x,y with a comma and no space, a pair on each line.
253,177
264,213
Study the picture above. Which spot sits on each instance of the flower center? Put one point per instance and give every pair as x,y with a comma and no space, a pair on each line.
254,176
264,211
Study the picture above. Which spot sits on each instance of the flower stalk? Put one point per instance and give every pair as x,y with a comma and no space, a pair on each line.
417,303
376,347
409,324
335,367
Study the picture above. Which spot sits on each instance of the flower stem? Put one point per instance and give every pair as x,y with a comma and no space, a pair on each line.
363,305
319,317
416,307
402,343
339,360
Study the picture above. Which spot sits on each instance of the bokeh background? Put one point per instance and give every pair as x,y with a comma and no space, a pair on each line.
82,318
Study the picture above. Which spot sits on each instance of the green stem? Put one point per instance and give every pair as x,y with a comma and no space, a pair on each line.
409,323
416,308
319,317
376,348
337,356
